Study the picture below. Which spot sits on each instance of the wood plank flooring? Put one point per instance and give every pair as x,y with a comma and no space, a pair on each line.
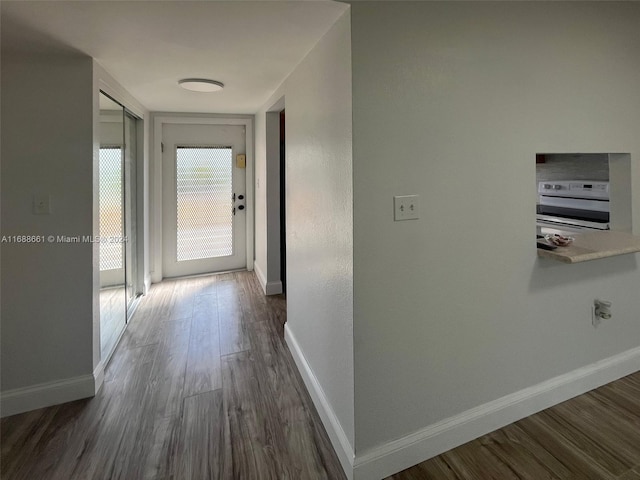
202,386
112,317
595,436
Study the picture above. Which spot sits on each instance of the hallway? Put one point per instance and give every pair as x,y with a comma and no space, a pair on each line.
202,386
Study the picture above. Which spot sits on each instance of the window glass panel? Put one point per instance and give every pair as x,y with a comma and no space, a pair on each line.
110,207
204,204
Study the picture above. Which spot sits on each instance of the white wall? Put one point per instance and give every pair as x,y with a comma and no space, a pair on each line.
273,200
455,309
319,226
47,287
261,230
267,261
50,310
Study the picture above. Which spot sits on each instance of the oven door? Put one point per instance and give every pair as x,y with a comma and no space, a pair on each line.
570,223
551,227
572,217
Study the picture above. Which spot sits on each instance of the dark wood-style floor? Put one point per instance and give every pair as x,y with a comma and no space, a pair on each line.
202,386
595,436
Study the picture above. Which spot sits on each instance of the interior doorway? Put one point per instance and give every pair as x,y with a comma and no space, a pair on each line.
274,278
283,205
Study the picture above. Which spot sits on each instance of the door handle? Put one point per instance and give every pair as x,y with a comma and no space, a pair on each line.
240,207
239,198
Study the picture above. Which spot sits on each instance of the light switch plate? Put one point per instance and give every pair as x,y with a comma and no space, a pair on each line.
41,204
406,207
241,160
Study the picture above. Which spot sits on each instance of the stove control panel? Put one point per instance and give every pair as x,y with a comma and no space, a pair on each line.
576,189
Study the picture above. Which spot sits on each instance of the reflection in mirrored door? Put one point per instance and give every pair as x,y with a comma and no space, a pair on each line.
130,224
112,263
119,287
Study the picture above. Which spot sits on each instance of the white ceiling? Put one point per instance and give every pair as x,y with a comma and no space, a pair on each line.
250,46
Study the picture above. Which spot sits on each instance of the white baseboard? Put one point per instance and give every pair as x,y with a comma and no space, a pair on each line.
22,400
273,288
261,278
147,284
392,457
338,438
269,288
98,377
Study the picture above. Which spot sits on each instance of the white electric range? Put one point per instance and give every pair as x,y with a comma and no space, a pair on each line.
572,206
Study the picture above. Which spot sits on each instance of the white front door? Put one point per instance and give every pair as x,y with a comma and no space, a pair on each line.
204,199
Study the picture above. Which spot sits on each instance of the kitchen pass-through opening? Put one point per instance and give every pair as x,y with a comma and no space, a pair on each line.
578,192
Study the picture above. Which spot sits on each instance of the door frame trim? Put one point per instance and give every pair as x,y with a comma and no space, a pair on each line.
156,217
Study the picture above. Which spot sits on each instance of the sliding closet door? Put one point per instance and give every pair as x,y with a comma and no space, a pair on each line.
133,287
120,285
113,300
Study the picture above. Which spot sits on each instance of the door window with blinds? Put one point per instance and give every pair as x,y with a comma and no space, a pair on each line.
204,200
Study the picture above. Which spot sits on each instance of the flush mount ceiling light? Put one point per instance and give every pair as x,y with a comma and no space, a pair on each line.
200,85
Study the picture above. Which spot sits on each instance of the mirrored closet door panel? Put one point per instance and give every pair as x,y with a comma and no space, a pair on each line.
120,282
132,258
113,299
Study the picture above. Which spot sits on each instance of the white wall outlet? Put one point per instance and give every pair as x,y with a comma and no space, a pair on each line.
406,207
601,310
41,204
